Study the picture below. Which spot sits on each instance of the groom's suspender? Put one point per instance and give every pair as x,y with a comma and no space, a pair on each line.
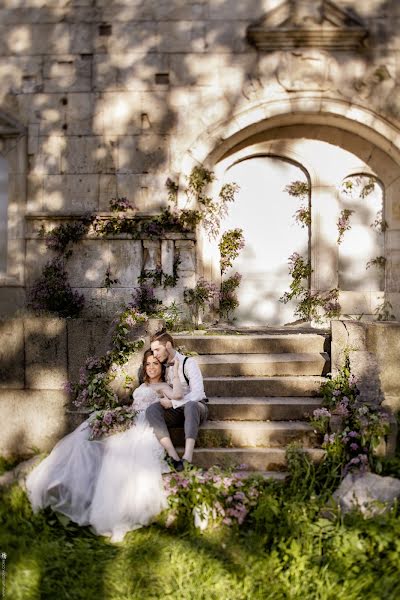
183,370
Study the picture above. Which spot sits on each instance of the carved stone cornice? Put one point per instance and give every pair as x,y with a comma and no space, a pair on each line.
307,24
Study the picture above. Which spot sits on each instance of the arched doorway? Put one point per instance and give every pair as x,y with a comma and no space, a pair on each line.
265,211
330,157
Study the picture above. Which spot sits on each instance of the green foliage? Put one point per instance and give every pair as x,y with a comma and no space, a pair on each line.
109,280
202,296
93,391
52,292
144,299
198,180
228,300
218,497
210,211
309,304
298,189
343,223
384,311
63,236
230,245
285,548
8,463
379,223
172,315
379,261
360,427
301,190
157,276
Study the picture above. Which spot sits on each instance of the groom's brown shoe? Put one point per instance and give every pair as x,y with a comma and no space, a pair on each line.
175,465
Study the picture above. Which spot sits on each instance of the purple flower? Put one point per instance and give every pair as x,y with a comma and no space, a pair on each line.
321,412
353,434
107,419
354,446
68,387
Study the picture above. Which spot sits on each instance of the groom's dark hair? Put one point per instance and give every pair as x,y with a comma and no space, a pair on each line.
163,337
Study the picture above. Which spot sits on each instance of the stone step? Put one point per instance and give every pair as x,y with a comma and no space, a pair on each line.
259,365
250,434
255,459
263,386
253,344
262,409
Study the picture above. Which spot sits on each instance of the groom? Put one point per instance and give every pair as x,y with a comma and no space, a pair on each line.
190,411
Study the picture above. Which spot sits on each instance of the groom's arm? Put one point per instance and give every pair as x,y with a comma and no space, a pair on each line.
196,385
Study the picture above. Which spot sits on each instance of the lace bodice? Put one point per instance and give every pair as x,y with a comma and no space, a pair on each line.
143,396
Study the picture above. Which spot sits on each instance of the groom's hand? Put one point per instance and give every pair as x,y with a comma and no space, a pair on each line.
165,402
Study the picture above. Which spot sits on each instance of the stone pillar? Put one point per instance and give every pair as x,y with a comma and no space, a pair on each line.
187,267
167,256
152,255
324,254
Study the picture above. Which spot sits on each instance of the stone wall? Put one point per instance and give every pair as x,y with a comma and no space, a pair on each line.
37,357
374,353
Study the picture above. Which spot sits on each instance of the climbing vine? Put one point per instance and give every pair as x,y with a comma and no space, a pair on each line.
124,220
351,429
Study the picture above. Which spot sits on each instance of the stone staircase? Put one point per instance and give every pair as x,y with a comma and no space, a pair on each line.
261,388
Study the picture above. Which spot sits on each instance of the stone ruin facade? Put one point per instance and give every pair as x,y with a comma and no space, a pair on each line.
103,99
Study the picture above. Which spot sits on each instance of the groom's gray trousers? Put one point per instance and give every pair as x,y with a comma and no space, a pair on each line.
190,415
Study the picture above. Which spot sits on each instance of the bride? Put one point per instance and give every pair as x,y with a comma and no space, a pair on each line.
113,484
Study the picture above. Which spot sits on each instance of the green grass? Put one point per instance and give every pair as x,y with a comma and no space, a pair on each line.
286,550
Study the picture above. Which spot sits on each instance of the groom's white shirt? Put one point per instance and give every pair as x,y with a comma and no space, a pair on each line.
194,392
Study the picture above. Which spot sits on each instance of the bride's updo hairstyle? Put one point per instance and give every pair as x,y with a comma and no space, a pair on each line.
143,377
163,337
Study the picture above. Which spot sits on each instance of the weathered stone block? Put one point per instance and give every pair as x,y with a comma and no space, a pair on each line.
35,419
126,260
69,73
384,340
12,299
71,193
84,155
167,256
87,266
36,257
180,36
142,154
129,37
86,338
121,112
151,255
115,300
108,190
48,158
12,372
84,115
94,302
45,353
146,192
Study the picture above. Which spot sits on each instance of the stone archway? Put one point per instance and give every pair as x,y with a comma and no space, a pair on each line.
371,147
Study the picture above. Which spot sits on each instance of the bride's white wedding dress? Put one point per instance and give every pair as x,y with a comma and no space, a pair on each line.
114,484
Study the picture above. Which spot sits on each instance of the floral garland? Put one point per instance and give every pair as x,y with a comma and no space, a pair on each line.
93,391
351,428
